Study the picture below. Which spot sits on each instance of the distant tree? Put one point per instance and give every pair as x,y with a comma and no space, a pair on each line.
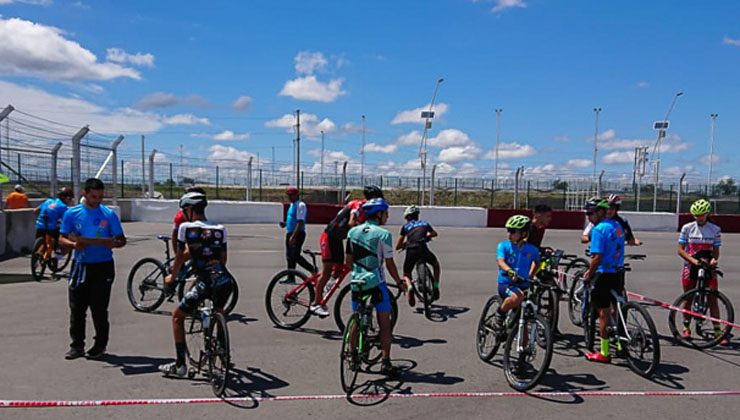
727,186
560,185
187,181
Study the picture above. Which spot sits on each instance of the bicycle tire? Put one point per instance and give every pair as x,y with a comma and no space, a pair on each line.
62,263
38,262
641,341
349,358
153,281
487,331
576,265
676,325
343,308
548,305
575,301
194,341
542,338
278,306
427,291
219,354
230,302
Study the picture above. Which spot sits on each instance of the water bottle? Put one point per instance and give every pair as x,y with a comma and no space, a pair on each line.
205,317
329,284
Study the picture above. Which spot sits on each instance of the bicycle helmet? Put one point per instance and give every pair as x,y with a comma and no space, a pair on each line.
374,206
193,188
65,193
372,191
518,222
613,200
411,210
595,203
700,207
193,199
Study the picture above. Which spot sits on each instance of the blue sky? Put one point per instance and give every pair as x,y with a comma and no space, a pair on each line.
174,69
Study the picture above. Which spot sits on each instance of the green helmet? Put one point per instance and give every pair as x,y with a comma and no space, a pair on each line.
700,207
517,222
412,209
595,203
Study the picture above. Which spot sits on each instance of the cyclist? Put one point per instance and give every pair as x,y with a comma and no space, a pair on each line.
332,243
206,243
50,213
540,222
516,258
180,217
606,269
699,240
369,249
414,236
615,202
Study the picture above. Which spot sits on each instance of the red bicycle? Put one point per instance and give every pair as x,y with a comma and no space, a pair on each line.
290,294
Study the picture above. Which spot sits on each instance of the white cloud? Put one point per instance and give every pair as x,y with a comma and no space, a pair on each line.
457,153
242,103
615,158
379,148
165,100
579,163
546,169
117,55
35,2
445,169
511,151
351,128
185,119
330,155
731,41
229,135
410,139
449,137
219,152
307,62
502,5
561,138
705,159
308,88
311,126
670,144
607,135
413,116
30,48
643,84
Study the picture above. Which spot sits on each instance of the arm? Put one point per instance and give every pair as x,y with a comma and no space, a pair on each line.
393,271
432,233
595,261
179,261
400,243
584,239
298,228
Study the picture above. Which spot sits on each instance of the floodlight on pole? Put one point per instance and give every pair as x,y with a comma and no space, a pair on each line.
596,142
427,116
656,149
711,148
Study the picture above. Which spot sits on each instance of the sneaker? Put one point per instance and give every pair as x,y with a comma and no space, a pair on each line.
723,342
74,353
96,352
436,294
387,369
686,334
171,369
288,280
598,357
319,310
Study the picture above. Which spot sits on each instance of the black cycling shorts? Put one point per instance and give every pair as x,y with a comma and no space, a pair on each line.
418,254
604,283
218,290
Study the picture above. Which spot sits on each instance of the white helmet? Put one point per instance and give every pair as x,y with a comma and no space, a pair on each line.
412,209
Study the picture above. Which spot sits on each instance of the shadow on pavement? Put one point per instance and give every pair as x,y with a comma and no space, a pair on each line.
325,334
135,365
240,318
568,345
667,375
555,382
411,342
441,313
252,383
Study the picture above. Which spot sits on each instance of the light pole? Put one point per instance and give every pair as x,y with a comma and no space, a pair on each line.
656,149
711,149
362,154
495,150
428,115
596,141
321,176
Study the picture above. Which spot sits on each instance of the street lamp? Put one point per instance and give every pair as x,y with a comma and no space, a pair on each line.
596,141
656,149
427,115
495,150
711,149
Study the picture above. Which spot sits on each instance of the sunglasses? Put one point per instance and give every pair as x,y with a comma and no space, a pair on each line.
589,213
511,230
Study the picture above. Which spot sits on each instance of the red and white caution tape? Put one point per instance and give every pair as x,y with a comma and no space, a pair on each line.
676,308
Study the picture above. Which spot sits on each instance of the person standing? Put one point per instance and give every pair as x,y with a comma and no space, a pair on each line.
93,231
17,199
295,231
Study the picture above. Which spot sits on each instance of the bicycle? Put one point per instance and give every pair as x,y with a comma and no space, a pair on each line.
207,339
360,341
147,278
45,255
701,299
526,335
632,332
548,299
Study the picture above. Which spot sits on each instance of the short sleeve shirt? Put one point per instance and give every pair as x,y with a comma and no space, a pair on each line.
416,232
206,243
698,238
519,258
370,245
296,212
99,222
41,220
607,239
339,225
178,220
16,200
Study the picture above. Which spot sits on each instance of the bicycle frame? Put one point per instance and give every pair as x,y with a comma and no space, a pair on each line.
314,279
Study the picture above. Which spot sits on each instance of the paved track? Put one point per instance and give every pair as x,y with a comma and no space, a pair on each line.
439,356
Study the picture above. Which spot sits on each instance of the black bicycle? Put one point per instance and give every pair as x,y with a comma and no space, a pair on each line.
710,306
207,339
145,285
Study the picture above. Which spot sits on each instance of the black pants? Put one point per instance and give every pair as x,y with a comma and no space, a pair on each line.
293,252
90,287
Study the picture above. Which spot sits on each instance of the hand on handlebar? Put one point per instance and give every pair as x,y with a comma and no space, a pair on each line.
511,273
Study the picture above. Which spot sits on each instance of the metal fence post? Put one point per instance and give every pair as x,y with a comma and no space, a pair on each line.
598,186
217,176
249,179
670,196
431,188
54,155
123,178
455,199
151,173
171,181
76,152
679,193
114,168
260,184
343,189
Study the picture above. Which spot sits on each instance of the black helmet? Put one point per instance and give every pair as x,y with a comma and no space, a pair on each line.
65,193
595,203
193,199
372,191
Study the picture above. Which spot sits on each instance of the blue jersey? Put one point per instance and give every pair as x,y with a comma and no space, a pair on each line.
607,239
416,232
43,217
100,222
296,212
520,259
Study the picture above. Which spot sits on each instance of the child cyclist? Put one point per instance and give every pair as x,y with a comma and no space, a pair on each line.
699,240
415,235
516,259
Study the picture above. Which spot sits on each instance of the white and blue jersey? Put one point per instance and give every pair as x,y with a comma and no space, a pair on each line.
296,212
607,239
99,222
519,258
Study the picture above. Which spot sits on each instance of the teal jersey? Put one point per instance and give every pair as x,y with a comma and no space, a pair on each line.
369,244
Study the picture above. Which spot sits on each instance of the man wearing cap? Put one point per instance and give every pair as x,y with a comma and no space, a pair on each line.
17,199
295,230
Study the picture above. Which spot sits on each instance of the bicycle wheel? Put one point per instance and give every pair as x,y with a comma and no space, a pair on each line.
575,300
288,299
194,342
63,262
145,286
38,261
343,308
487,338
575,266
704,334
233,298
349,355
427,291
590,325
548,305
642,345
219,355
527,353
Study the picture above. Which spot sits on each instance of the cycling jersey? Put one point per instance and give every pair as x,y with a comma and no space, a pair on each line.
296,213
626,228
339,225
370,245
519,259
178,220
700,238
607,239
98,222
206,243
51,212
416,232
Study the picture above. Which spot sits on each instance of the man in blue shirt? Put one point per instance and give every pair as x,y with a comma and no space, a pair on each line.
606,269
92,230
295,235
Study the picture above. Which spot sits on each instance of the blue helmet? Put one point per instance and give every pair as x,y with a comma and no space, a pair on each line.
374,205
